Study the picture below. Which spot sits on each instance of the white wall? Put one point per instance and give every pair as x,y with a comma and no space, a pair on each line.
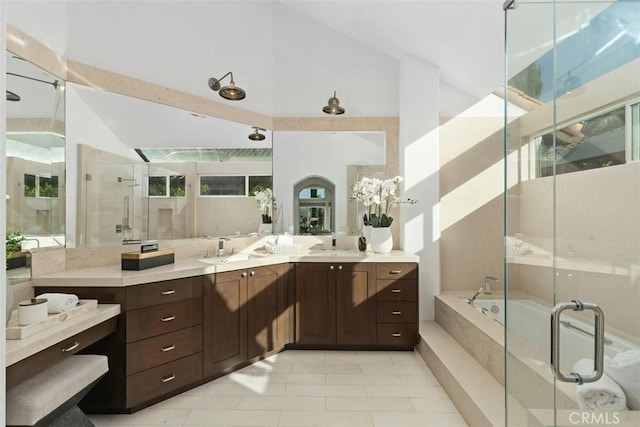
419,164
297,155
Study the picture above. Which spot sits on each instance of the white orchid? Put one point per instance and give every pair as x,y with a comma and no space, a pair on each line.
378,196
264,199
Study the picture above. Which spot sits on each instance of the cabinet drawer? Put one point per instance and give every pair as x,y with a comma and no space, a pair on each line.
396,270
163,292
161,319
163,379
397,290
397,334
145,354
397,312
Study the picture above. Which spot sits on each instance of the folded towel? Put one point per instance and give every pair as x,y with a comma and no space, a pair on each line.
624,368
57,303
604,394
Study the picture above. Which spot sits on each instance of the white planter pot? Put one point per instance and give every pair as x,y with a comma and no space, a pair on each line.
381,240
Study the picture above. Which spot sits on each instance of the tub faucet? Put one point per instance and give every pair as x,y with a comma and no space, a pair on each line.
488,281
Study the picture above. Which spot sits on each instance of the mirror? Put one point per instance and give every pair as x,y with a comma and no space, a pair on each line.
197,180
327,160
35,154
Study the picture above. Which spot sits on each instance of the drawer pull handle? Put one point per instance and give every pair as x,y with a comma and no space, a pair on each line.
339,267
168,378
168,318
395,271
253,273
396,334
71,347
169,292
396,312
243,275
396,291
331,267
168,348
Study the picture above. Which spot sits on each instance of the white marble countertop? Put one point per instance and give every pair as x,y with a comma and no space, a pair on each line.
115,276
18,350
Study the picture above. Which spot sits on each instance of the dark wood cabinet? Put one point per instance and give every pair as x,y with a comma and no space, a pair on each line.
356,304
246,316
224,321
397,297
315,303
267,313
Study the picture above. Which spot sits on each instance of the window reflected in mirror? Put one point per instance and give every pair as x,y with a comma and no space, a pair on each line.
315,200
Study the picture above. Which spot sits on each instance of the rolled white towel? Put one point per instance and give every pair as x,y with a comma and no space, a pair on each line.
604,394
624,368
57,303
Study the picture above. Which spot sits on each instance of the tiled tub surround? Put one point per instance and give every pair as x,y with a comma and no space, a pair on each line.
531,381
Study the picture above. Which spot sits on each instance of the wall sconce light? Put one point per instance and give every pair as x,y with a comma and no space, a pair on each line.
231,92
12,96
257,136
333,107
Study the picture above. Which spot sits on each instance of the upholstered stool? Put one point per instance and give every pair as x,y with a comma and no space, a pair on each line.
49,398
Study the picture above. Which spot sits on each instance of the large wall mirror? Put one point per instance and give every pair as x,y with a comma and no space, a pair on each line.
150,171
35,152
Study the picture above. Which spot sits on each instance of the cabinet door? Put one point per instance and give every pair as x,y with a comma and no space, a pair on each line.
315,303
225,321
356,303
262,313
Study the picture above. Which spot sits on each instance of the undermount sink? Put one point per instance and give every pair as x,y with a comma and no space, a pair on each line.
226,259
336,253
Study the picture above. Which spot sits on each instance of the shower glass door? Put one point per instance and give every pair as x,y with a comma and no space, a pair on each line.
572,181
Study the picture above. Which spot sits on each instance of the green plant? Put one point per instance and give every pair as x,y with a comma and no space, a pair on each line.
13,242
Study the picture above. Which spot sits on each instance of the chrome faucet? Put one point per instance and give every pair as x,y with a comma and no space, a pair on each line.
484,289
488,282
221,243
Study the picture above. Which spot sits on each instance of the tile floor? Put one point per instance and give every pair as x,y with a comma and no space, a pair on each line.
310,388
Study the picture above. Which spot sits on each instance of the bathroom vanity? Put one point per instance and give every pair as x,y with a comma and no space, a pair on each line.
187,323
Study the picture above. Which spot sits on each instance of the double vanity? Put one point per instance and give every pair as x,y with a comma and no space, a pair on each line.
186,323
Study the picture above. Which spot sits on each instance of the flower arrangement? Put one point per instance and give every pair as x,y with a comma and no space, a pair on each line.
13,242
378,196
264,199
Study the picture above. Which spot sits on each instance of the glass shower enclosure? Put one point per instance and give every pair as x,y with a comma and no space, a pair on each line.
572,236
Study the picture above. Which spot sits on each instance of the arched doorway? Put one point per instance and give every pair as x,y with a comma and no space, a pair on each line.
314,201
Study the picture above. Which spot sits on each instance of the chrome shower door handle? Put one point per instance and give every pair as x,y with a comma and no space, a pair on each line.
598,356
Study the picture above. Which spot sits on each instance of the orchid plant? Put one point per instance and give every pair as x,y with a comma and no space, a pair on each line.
378,197
264,199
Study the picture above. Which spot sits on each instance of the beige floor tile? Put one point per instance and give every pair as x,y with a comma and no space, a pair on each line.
394,404
422,379
395,369
232,418
276,378
433,405
266,366
403,419
324,368
245,390
405,391
151,416
326,390
363,379
283,403
200,402
326,419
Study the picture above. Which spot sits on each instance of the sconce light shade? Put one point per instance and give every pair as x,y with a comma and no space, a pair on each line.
333,107
231,92
257,136
12,96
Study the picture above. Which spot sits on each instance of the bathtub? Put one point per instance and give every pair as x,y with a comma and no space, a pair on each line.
479,330
531,321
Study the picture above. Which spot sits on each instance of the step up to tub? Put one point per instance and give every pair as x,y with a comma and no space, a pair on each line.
476,394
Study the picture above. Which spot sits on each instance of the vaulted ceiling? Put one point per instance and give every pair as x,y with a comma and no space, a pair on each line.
288,55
